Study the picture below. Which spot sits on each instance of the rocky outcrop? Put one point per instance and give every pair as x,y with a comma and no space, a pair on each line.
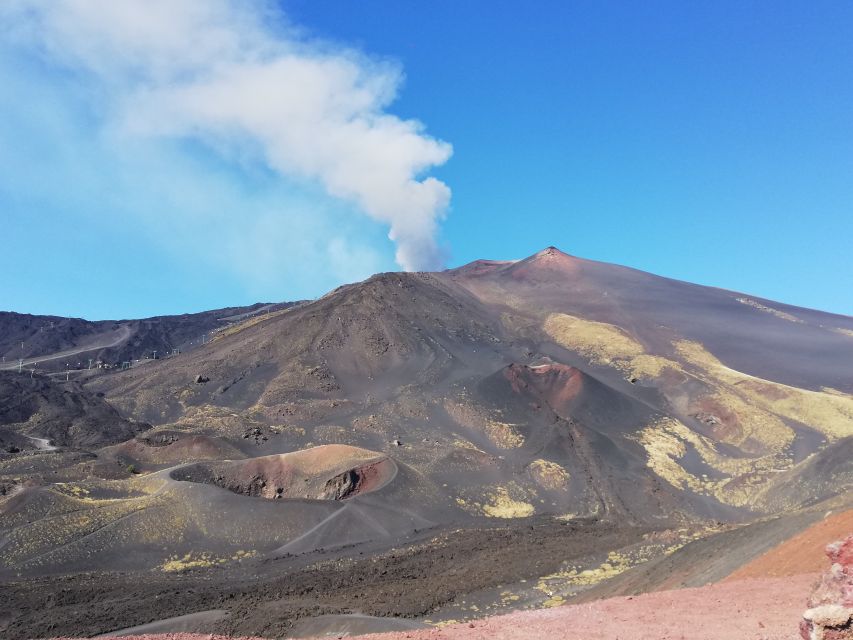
342,486
830,612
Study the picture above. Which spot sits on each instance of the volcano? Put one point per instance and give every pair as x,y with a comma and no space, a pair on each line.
418,444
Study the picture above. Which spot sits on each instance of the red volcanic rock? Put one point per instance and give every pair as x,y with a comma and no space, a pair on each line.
830,613
544,266
841,552
557,384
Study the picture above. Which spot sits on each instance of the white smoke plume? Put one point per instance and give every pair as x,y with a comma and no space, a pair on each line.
235,75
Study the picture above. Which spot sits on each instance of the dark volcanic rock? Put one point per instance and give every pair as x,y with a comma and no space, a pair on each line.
62,412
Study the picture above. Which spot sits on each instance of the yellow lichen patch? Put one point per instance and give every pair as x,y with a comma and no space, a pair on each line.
508,597
760,431
615,564
289,430
73,489
445,623
208,417
504,502
599,341
666,442
503,435
761,307
566,517
39,538
829,413
458,443
549,475
646,366
470,507
502,505
245,324
554,601
844,332
665,446
605,344
191,561
202,560
557,586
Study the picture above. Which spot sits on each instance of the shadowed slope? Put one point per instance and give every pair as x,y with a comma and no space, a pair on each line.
63,414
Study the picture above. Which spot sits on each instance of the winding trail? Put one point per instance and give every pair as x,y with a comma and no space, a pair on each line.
108,340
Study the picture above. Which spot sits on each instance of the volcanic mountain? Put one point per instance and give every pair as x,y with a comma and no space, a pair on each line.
53,343
562,418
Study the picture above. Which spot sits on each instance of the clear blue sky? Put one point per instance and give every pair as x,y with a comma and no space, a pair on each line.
709,142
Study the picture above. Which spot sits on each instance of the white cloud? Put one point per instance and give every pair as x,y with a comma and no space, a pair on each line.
236,76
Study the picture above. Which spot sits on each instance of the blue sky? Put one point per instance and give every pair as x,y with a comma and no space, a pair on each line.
710,142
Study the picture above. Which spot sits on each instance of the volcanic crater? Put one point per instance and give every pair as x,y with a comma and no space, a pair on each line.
326,472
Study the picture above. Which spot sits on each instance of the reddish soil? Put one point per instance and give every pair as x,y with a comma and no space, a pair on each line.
803,553
765,609
179,636
755,609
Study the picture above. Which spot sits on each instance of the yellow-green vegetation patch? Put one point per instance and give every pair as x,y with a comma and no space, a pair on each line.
200,560
220,419
762,307
459,443
566,517
289,430
503,435
74,489
605,344
549,475
508,596
599,341
666,442
49,533
502,505
245,324
557,585
445,623
615,564
829,413
503,502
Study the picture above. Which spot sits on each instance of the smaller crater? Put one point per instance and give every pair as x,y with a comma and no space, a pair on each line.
328,472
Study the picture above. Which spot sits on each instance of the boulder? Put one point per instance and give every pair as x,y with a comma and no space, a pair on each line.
830,612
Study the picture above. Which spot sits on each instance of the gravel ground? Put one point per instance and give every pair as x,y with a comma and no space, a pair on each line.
752,609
